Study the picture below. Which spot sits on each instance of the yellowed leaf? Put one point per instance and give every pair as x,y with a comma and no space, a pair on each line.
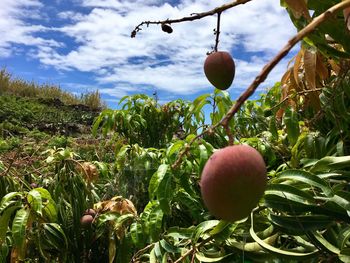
299,8
112,247
116,204
310,58
321,68
297,66
285,78
335,66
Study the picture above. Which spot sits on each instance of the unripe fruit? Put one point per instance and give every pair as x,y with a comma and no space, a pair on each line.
34,185
90,211
86,221
232,182
167,28
219,68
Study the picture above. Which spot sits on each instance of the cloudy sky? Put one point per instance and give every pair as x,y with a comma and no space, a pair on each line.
83,45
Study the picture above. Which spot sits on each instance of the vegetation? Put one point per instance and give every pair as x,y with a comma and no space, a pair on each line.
132,192
22,88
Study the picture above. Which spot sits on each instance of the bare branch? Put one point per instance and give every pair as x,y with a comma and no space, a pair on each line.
217,32
192,17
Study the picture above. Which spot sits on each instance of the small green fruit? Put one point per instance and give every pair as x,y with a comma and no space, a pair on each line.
232,182
219,68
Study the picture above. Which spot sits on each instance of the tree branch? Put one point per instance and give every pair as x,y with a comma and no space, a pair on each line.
267,69
217,33
193,249
193,17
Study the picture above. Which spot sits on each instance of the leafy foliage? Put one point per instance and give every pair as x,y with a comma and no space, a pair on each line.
146,209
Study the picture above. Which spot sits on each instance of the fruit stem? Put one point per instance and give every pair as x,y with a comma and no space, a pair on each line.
217,32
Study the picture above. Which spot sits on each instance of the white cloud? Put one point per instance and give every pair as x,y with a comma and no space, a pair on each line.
154,59
14,29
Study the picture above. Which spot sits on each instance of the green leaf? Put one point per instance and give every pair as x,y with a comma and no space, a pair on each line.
165,192
203,157
292,125
344,255
35,202
321,241
331,163
157,177
19,225
288,198
194,206
54,237
4,221
202,258
175,147
219,227
251,246
279,252
153,257
7,200
342,199
301,223
202,228
152,217
49,206
169,247
158,252
273,127
137,234
305,177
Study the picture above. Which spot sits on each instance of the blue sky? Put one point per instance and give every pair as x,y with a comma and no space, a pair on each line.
84,45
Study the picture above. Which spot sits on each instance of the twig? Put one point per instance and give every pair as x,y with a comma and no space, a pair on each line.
140,252
289,96
217,33
193,249
5,173
267,69
193,17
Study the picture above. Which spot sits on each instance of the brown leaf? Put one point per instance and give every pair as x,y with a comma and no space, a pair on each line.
321,68
346,13
285,79
299,8
116,204
335,66
310,58
297,66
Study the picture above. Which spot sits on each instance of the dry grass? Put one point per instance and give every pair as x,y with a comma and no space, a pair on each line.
22,88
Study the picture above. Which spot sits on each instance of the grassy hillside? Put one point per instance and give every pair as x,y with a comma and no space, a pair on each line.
34,117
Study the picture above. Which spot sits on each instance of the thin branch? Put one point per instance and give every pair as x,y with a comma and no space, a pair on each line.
268,68
12,161
193,17
285,50
217,32
289,96
193,249
141,251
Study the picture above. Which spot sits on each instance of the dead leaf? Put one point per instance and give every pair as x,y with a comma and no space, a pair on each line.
299,8
321,69
310,58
